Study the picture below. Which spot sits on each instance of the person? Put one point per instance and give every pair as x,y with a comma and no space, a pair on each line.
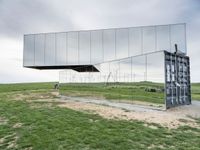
56,86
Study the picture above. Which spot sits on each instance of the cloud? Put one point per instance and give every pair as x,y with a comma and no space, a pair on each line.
18,17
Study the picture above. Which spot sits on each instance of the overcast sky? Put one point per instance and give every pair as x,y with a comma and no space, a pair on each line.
18,17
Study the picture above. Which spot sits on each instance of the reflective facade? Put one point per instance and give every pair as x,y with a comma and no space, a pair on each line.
147,67
138,63
159,77
98,46
133,79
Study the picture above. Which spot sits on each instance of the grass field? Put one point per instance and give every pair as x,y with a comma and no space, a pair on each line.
26,123
195,91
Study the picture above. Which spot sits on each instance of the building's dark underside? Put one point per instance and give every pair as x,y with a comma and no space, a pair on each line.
79,68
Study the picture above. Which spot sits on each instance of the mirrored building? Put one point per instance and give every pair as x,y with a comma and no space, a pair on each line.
155,54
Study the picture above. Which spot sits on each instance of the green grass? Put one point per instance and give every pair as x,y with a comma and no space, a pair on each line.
118,91
195,91
26,86
45,127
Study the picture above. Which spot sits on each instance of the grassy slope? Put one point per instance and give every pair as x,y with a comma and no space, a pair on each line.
61,128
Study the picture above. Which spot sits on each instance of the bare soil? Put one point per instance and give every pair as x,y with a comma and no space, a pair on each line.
172,118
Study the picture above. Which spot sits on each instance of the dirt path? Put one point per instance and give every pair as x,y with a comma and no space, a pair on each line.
172,118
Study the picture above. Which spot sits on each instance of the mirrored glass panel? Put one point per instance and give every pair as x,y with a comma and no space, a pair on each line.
98,78
122,50
109,44
156,77
135,41
63,77
149,39
155,67
95,77
97,46
92,47
178,37
114,71
84,47
138,79
72,43
28,50
125,70
61,48
105,71
39,49
50,51
163,38
139,68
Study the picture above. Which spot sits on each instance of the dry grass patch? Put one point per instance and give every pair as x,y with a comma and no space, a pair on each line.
33,95
3,121
10,141
151,126
152,146
34,105
17,125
